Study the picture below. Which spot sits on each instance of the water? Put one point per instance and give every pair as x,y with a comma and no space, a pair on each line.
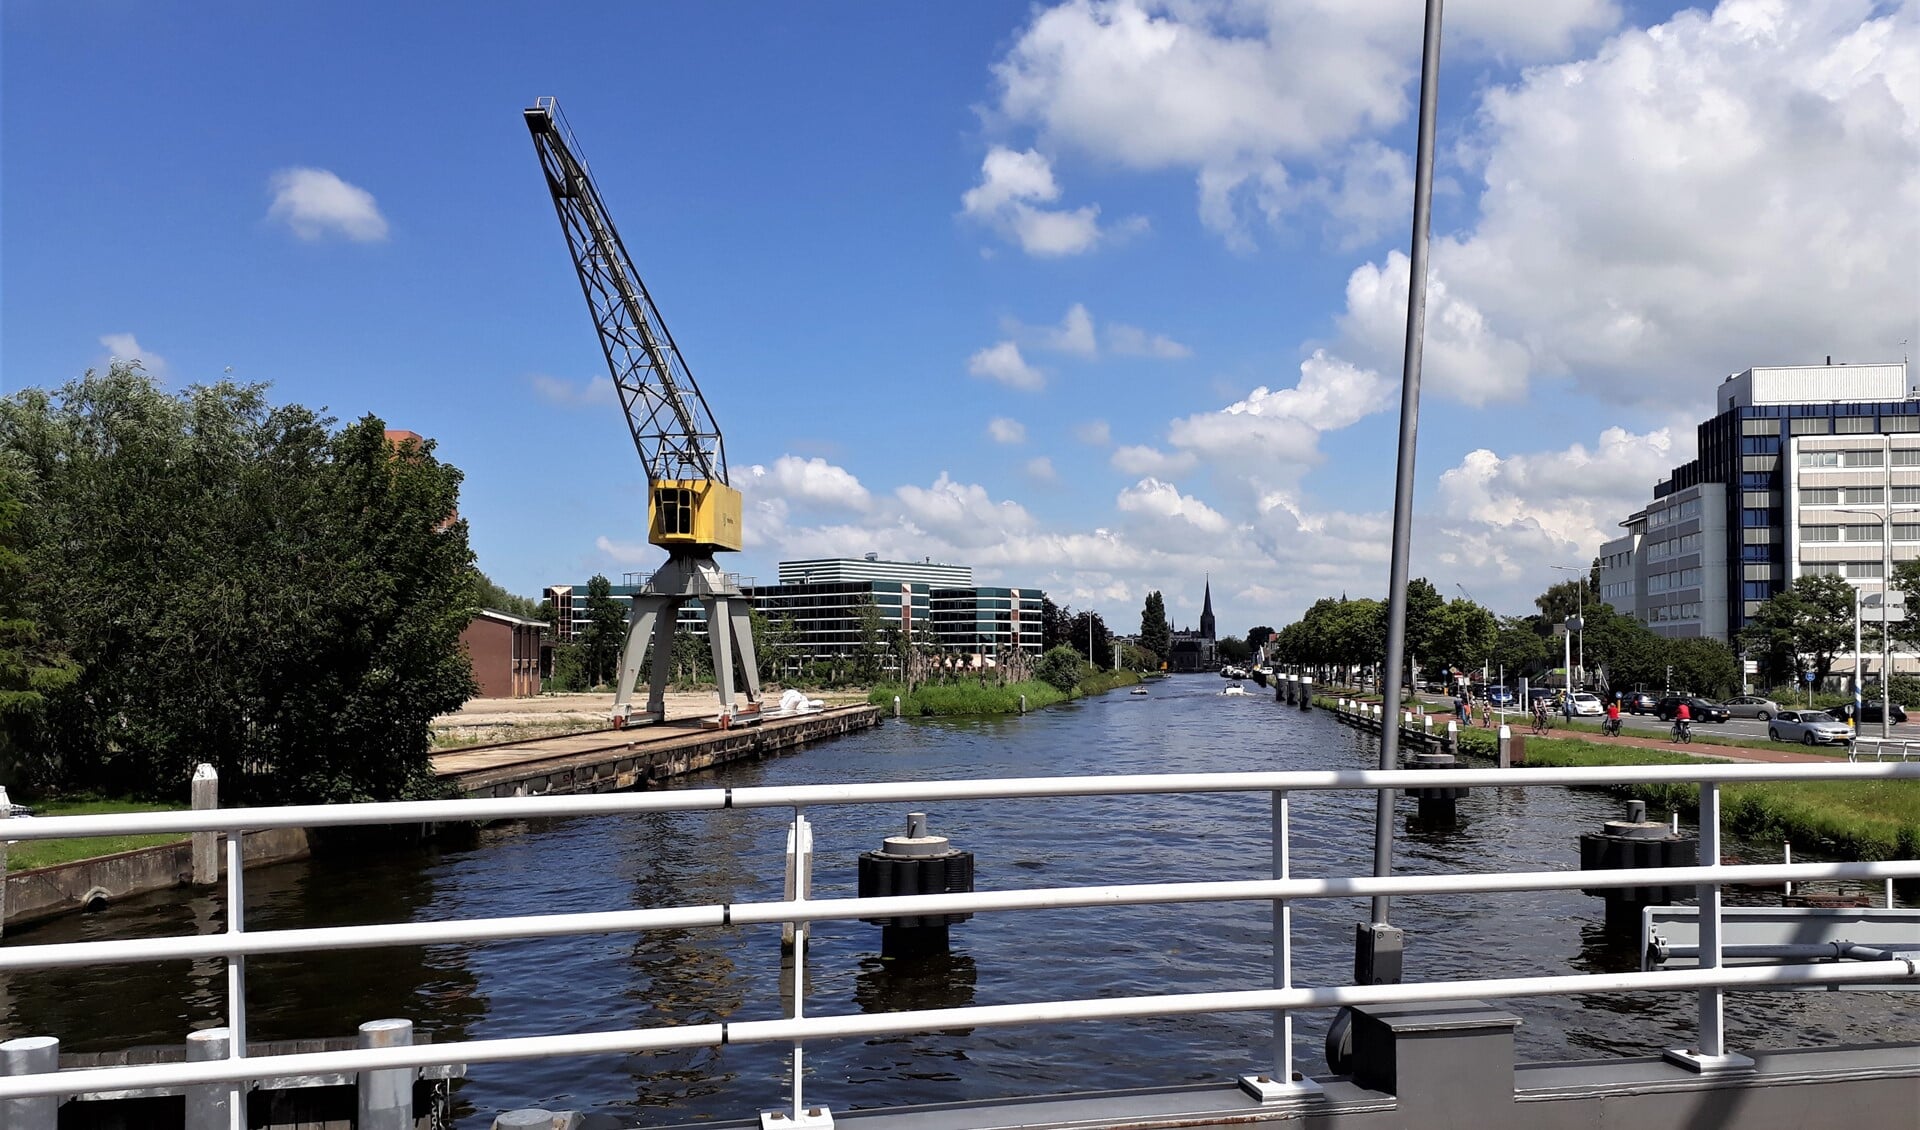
606,982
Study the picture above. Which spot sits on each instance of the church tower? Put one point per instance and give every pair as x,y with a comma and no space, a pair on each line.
1206,612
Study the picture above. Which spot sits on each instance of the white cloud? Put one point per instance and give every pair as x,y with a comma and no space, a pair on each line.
1003,363
1004,430
1139,459
1131,341
1284,424
1238,91
814,481
626,552
1094,433
572,394
316,203
1156,499
123,347
1725,189
1040,470
1075,334
961,513
1013,186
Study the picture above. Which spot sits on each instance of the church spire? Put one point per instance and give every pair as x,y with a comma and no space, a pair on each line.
1206,611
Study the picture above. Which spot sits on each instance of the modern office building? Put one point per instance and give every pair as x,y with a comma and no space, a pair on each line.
1801,471
826,599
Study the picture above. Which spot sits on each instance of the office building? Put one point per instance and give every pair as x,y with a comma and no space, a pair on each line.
1798,472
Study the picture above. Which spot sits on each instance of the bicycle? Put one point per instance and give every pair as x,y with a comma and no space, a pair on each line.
1682,731
1610,728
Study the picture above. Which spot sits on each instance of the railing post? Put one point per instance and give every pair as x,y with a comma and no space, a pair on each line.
209,1105
206,845
386,1097
1505,756
236,967
801,836
30,1055
1710,1053
1279,1084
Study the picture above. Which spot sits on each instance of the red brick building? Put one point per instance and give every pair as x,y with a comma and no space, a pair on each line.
505,651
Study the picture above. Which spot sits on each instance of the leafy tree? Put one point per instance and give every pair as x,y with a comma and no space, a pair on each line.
1060,667
1258,636
31,666
870,643
1703,666
1089,630
1055,628
1905,632
692,660
1136,658
1156,634
1233,649
606,632
775,644
569,669
489,595
1565,600
239,584
1464,634
1811,620
1520,648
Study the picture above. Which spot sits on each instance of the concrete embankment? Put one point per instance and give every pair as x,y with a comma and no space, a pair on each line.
91,884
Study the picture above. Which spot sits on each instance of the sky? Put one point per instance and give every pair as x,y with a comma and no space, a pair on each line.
1100,297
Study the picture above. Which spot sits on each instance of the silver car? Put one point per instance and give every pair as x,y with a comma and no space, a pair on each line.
1808,727
1753,706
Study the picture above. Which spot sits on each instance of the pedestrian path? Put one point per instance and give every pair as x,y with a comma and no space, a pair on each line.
1709,752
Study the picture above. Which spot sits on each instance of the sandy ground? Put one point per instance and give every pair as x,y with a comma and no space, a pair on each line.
554,712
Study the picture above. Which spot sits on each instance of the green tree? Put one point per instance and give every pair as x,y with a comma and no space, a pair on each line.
870,643
605,635
31,666
1060,667
1156,634
1234,650
1703,666
1088,630
489,595
775,644
1055,626
239,584
1810,621
1464,634
1257,636
1520,648
569,669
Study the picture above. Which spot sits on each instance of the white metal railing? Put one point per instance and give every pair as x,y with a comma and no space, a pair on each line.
1709,981
1882,749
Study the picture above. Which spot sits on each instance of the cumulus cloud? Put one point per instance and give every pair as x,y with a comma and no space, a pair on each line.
1461,356
1140,459
315,203
1075,334
814,481
1014,186
962,514
1159,500
1239,92
1094,433
123,347
1040,469
1004,430
1132,341
1285,424
573,394
1004,364
1079,335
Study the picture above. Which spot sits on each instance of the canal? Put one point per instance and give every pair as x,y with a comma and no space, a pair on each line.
686,977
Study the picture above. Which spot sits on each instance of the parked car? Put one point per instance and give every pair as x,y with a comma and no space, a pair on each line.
1639,702
1541,694
1585,702
1808,727
1753,706
1699,708
1499,696
1869,712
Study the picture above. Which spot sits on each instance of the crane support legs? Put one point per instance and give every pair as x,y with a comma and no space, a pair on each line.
655,617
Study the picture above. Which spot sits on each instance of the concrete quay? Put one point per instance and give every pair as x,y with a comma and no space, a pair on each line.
609,760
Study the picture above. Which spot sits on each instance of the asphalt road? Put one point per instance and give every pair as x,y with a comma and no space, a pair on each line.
1749,728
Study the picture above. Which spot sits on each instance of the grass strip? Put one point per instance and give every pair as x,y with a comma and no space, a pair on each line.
965,697
22,856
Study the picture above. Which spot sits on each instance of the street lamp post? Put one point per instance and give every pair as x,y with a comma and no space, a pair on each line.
1885,512
1581,575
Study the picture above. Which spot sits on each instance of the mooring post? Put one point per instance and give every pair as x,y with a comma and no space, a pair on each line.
1453,736
30,1055
6,814
896,706
206,845
530,1118
209,1105
1506,746
1023,704
1306,693
386,1096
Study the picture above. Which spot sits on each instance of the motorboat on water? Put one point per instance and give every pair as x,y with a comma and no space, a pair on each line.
1138,690
1234,688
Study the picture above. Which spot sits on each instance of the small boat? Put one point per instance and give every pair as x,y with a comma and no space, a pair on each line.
1138,690
1234,688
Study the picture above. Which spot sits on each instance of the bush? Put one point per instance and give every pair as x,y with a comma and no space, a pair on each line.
1060,668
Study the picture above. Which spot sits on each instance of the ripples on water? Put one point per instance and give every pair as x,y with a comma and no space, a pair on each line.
598,983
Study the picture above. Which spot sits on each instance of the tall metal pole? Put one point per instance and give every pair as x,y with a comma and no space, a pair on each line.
1403,481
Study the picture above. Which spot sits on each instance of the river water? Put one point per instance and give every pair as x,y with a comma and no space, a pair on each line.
603,982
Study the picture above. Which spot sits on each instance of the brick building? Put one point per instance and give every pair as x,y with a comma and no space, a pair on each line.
505,652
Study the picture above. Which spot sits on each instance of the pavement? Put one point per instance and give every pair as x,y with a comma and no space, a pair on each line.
1523,724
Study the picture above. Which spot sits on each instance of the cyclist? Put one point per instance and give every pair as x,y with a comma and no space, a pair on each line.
1612,727
1683,722
1540,715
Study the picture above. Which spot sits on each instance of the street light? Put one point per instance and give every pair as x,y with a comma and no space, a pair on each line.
1581,625
1885,512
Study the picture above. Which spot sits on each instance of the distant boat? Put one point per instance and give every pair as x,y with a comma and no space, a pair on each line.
1234,688
1138,690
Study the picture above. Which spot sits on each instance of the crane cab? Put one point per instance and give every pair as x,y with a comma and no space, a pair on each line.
701,514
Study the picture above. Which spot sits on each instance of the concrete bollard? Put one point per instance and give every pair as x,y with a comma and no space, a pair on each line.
1306,694
30,1055
531,1118
206,845
1506,746
209,1105
1453,736
896,706
386,1096
1023,704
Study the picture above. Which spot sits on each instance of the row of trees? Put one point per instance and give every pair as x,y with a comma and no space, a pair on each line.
1811,622
205,576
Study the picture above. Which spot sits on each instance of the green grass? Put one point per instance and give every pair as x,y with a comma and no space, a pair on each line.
46,853
970,697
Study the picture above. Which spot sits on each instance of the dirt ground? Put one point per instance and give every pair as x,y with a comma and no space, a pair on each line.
505,719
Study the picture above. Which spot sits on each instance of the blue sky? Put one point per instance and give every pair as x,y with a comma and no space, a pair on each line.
1094,296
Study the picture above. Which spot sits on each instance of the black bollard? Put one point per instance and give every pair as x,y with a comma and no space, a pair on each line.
1437,802
917,863
1632,843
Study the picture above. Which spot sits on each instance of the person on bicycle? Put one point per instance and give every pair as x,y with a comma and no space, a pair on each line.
1540,715
1683,721
1613,716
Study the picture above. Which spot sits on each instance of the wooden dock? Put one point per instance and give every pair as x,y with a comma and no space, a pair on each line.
608,760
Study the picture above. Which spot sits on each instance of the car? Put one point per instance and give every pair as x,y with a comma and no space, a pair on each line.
1542,694
1808,727
1585,702
1753,706
1699,708
1869,712
1639,702
1499,696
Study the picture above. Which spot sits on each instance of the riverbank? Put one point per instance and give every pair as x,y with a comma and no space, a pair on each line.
960,699
1855,819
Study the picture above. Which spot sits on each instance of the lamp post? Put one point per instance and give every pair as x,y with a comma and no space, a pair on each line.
1581,574
1885,513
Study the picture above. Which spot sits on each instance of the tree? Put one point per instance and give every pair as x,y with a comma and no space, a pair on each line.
1156,634
1464,634
238,584
1703,666
1258,636
1905,581
569,669
1088,635
774,644
489,595
606,632
870,643
1519,648
1811,621
1061,668
31,666
1054,625
1233,649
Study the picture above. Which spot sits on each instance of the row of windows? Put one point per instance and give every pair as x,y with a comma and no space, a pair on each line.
1678,579
1871,458
1610,593
1850,569
1687,611
1673,547
1760,499
1902,531
1838,425
1680,513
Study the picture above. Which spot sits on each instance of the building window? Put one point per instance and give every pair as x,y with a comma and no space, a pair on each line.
1865,496
1903,531
1905,457
1760,463
1821,497
1853,425
1900,423
1862,569
1906,494
1760,499
1820,569
1810,426
1760,537
1819,459
1758,572
1862,533
1863,459
1819,533
1759,427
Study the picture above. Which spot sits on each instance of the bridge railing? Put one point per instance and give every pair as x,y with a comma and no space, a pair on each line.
1709,980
